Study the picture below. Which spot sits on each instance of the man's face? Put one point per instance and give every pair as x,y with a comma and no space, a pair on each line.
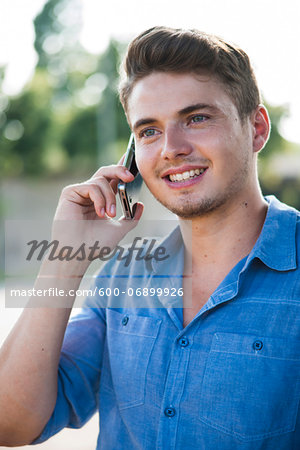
192,150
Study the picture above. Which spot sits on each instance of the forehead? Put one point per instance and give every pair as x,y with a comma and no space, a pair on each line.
160,94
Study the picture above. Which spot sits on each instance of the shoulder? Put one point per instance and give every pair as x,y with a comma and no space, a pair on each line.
135,265
143,255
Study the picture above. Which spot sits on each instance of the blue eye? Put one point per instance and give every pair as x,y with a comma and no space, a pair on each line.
198,118
148,133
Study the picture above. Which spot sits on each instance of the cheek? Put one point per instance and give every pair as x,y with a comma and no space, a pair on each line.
144,164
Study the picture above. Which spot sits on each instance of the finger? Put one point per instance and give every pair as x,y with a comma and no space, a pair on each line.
92,192
138,211
114,185
117,172
108,195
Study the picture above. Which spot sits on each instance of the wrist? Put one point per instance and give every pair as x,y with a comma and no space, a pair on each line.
64,269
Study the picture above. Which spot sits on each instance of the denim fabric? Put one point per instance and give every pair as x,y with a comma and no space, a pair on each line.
229,380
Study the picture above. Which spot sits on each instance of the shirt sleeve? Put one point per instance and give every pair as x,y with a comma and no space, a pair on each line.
81,357
78,372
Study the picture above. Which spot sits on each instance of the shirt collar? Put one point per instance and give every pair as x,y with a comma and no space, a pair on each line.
276,245
173,244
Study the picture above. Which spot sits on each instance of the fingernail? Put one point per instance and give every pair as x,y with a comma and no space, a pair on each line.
102,211
128,172
113,210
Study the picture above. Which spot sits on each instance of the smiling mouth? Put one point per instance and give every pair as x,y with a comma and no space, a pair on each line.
184,176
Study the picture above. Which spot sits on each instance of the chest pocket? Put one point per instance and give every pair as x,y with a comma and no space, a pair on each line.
251,386
130,340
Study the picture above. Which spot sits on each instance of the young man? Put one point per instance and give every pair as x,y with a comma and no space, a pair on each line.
222,373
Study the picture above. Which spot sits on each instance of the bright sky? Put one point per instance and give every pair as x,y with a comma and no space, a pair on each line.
268,30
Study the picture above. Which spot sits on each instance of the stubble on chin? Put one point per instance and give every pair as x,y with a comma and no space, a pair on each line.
191,210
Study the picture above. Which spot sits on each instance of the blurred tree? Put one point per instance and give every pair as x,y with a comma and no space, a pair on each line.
35,122
113,130
279,182
57,29
276,142
60,54
97,133
26,129
2,74
80,140
46,27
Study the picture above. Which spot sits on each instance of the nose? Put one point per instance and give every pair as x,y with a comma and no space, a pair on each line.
175,143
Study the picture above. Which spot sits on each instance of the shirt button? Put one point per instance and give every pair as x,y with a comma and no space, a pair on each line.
257,345
183,342
170,411
125,320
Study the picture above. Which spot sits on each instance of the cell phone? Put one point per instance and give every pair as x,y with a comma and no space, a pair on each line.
129,192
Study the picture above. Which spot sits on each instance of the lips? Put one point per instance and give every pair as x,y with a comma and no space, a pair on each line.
184,176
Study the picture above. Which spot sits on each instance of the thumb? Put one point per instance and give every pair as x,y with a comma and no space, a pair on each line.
129,224
123,226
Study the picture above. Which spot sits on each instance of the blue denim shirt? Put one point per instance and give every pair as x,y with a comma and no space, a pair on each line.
229,380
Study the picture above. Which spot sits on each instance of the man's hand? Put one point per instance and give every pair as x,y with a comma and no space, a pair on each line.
95,198
86,211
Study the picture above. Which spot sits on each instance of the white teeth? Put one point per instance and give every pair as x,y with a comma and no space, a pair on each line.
186,175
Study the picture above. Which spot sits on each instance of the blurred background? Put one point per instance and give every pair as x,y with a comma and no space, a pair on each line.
60,118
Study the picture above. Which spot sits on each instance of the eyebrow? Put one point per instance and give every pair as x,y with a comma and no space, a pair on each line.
196,106
181,112
146,121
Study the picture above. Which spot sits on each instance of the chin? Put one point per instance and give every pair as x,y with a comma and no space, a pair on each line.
188,210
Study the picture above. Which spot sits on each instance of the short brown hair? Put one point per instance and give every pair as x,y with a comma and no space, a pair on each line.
162,49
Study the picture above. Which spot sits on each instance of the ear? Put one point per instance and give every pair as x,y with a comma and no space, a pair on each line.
261,128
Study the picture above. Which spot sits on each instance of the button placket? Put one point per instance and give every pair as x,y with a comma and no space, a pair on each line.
174,388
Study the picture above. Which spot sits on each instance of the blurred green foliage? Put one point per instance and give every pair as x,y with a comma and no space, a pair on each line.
68,119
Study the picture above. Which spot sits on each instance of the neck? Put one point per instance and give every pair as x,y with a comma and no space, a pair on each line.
224,236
